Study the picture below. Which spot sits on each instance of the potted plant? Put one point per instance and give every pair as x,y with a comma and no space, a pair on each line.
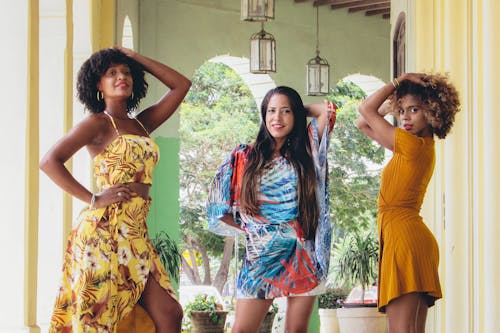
206,315
267,323
328,304
169,254
357,264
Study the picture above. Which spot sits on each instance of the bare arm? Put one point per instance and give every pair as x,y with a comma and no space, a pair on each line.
155,115
371,120
52,163
320,112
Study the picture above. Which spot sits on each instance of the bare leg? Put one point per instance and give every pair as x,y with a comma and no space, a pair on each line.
421,315
165,311
407,314
249,315
298,313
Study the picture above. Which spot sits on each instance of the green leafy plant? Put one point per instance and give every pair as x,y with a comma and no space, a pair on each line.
169,254
208,304
357,260
333,298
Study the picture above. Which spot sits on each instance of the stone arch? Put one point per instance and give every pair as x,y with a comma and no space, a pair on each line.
367,83
259,84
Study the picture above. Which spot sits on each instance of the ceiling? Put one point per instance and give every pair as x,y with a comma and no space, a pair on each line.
369,7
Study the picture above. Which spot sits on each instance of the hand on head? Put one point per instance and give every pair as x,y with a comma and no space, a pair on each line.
418,78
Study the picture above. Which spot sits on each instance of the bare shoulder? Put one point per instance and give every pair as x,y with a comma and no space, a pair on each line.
94,129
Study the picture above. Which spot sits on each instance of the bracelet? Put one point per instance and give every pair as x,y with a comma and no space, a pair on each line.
92,201
396,85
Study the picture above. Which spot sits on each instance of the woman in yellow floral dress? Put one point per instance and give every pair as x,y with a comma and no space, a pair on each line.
110,265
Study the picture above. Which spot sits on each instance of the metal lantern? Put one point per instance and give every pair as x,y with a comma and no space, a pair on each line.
262,52
257,10
318,70
318,76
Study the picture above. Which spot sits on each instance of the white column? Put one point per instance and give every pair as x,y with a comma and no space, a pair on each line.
491,139
50,236
13,34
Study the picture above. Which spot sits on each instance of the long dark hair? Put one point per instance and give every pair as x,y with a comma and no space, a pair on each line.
297,150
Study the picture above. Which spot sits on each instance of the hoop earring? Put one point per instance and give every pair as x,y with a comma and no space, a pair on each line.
99,96
132,95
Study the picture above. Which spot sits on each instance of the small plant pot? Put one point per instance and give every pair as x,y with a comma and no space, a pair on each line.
361,319
202,323
267,324
328,321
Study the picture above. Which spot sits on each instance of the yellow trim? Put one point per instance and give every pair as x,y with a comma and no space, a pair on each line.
102,23
32,179
68,114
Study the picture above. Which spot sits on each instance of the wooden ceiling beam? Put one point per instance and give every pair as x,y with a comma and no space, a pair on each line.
317,3
354,4
378,12
370,7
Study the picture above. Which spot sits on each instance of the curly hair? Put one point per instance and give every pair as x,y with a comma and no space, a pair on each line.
440,97
297,150
94,68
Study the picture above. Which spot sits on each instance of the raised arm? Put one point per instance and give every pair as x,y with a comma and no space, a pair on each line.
371,119
320,112
155,115
372,111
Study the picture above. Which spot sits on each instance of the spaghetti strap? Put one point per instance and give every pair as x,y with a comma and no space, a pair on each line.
113,122
144,128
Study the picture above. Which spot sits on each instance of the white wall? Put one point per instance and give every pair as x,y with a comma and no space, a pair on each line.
13,34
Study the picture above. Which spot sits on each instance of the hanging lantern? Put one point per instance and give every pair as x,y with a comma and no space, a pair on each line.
262,52
318,70
318,76
257,10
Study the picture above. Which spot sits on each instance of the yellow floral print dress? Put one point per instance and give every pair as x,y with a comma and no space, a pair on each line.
109,256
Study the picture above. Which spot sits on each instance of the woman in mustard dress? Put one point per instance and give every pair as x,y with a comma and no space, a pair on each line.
409,256
110,264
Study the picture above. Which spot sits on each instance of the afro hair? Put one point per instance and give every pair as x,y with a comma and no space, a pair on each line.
440,97
94,68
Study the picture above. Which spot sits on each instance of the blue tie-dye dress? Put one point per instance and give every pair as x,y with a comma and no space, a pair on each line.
278,260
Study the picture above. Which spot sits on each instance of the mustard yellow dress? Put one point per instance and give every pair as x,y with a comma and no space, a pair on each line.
409,254
109,256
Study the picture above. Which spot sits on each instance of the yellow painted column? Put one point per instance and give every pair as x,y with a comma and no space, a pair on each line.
491,138
102,23
458,176
32,179
443,43
68,113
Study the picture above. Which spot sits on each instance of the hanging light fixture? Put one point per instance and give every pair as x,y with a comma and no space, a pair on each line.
257,10
262,52
318,70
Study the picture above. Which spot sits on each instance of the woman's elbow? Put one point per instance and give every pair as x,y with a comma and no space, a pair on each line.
362,109
44,164
361,123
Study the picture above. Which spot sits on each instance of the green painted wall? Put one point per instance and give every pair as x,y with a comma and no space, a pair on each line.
189,32
164,213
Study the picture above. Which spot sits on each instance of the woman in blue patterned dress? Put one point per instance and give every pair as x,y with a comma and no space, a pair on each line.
275,192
